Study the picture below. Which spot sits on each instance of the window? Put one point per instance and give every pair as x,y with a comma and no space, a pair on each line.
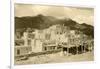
45,48
29,42
47,36
18,52
53,48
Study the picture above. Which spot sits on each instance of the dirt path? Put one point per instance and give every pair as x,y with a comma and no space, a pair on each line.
89,56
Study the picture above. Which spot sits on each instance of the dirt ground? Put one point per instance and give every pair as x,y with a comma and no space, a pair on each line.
89,56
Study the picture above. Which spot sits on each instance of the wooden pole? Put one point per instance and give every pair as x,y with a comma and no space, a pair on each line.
67,51
76,49
81,48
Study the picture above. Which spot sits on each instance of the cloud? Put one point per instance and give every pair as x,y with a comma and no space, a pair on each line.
81,15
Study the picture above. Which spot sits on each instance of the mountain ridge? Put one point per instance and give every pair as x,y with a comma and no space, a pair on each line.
41,22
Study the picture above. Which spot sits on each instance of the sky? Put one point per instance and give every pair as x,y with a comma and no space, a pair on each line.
80,15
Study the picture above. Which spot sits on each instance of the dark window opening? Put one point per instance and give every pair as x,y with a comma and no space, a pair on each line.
18,52
45,48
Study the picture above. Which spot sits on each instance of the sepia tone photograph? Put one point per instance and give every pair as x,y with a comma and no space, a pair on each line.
52,34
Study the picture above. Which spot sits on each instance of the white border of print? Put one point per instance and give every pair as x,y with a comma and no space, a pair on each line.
76,3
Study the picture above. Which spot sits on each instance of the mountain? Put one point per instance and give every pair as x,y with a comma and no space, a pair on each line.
38,22
42,22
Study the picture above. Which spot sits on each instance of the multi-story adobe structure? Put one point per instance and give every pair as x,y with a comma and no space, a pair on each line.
50,39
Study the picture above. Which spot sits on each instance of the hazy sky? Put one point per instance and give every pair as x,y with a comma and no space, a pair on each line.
81,15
